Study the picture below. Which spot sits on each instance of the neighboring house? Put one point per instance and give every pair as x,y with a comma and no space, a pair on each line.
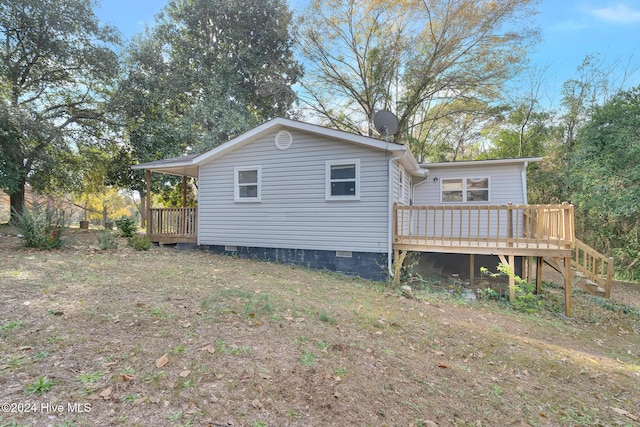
299,193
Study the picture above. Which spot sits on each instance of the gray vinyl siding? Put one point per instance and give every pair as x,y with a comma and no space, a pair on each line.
293,212
505,185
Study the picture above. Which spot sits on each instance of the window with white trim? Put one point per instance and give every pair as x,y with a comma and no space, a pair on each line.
342,180
464,190
247,184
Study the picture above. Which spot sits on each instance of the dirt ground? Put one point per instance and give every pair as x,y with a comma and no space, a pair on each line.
165,337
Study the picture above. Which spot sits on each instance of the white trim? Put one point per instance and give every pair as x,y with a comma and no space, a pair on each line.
402,185
328,181
472,163
464,189
236,184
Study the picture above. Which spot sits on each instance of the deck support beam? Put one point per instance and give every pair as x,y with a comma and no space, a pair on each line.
472,269
539,263
512,275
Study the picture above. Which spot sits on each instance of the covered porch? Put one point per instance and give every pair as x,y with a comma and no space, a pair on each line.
175,224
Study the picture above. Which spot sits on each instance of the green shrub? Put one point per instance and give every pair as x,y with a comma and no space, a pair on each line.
41,228
127,226
107,241
140,243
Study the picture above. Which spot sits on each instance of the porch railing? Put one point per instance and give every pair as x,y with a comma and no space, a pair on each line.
173,224
489,226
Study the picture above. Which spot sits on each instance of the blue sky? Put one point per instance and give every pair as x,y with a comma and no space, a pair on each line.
570,29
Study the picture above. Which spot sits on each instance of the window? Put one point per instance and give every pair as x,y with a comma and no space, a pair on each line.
461,190
401,189
343,180
247,184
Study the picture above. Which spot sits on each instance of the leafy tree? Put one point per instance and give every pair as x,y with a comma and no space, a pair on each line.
208,70
56,67
409,57
605,173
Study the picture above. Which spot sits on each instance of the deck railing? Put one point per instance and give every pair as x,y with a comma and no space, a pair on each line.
486,226
173,225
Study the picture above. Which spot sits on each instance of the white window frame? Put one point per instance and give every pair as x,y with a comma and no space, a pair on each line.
465,189
237,185
329,181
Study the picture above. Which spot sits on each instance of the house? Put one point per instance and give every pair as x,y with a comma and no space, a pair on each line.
300,193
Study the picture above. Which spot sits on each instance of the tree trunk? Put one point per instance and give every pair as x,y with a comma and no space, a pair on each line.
17,201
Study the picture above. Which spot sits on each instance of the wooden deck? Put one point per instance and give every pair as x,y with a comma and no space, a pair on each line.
519,230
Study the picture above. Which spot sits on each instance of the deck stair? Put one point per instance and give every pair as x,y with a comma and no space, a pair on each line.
591,271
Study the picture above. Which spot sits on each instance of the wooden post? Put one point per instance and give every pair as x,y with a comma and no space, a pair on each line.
184,191
472,269
567,286
607,288
148,195
539,263
509,224
528,261
512,279
567,217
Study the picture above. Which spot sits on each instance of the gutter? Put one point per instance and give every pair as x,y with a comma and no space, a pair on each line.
390,214
524,182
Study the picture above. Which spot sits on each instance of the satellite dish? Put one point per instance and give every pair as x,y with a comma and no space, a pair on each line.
386,123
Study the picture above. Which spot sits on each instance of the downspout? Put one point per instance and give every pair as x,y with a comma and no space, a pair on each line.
524,182
390,215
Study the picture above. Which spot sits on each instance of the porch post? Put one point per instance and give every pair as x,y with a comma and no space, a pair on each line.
472,269
148,213
184,191
567,286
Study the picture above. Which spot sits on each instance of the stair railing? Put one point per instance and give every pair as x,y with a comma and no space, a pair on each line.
595,266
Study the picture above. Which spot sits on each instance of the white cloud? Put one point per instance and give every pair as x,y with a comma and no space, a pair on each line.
620,13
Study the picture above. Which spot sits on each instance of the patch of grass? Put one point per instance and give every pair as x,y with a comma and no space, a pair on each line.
130,398
42,355
221,346
40,386
89,378
307,359
325,317
323,345
11,325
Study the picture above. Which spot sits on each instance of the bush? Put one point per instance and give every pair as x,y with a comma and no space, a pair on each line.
140,243
40,228
127,226
107,241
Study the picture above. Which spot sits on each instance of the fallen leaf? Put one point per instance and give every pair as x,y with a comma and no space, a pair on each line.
127,377
379,332
154,400
442,366
163,360
106,393
208,349
138,401
185,373
623,412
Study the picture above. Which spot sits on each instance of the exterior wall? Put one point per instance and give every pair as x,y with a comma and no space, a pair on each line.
505,184
293,212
